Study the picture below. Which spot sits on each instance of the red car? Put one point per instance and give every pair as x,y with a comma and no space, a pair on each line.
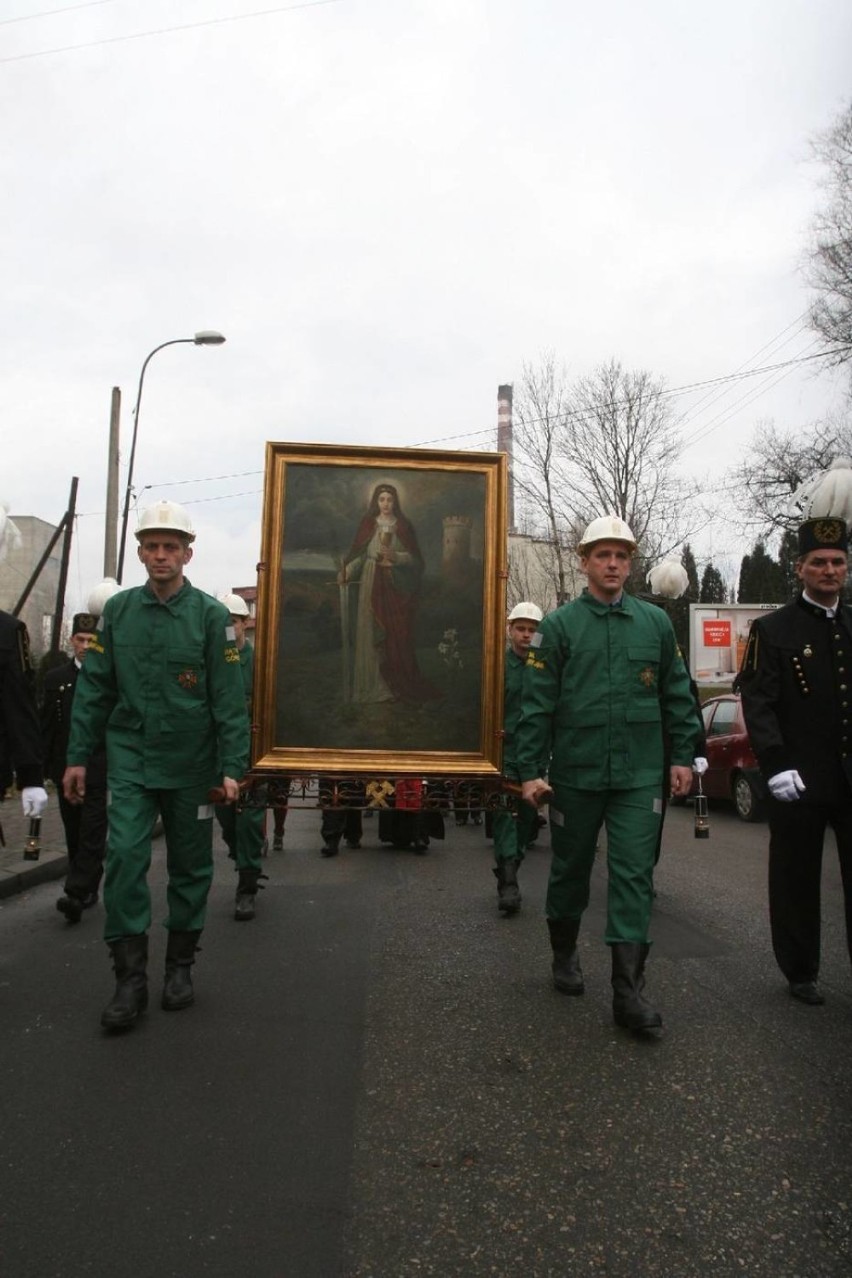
733,773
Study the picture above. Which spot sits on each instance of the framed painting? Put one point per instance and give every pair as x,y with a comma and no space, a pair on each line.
381,606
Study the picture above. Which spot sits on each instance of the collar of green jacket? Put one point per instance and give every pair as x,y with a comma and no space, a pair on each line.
626,604
149,597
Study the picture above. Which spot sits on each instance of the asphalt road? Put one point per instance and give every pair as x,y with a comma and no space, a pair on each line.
378,1080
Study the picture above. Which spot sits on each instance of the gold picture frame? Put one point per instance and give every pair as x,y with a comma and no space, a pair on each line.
379,643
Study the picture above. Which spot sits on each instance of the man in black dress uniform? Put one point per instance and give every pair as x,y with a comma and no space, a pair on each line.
85,823
20,739
796,685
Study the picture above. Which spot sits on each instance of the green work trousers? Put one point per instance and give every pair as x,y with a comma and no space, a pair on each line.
632,820
188,826
512,832
243,833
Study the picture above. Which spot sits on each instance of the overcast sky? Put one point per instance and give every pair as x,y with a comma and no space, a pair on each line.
388,206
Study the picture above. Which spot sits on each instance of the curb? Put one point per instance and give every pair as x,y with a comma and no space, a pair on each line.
14,881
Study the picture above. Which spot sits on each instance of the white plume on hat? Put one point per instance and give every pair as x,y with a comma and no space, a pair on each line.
10,535
668,578
99,594
827,493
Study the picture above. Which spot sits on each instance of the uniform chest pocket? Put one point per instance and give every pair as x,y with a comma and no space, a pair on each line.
186,677
644,668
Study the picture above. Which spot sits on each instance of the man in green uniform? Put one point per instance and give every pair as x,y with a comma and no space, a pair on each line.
512,833
162,686
243,829
604,676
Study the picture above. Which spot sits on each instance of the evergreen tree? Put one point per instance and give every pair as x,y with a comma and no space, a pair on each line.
761,578
712,586
688,561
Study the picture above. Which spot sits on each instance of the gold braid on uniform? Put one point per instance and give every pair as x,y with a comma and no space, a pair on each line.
24,651
748,667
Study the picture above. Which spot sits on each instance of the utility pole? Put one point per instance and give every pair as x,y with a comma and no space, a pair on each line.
111,520
63,568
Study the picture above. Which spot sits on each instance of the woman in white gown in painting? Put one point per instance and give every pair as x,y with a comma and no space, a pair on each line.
386,562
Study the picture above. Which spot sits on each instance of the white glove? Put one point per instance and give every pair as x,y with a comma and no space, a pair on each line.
33,800
786,786
700,765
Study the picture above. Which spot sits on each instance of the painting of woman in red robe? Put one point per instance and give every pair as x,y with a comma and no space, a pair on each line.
385,564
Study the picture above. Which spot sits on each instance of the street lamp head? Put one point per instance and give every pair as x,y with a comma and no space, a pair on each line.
206,337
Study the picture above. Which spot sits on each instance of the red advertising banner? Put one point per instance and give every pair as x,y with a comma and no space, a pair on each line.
717,634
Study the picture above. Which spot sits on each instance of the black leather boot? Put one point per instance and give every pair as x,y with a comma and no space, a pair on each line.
180,956
629,1008
567,973
130,963
508,892
244,902
71,907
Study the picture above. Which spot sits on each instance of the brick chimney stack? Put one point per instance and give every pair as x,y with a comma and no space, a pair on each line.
505,445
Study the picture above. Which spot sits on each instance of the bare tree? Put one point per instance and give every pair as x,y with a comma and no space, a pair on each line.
542,474
606,444
828,265
625,447
776,464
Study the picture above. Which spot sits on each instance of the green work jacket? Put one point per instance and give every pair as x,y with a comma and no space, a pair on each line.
513,685
162,686
607,682
247,671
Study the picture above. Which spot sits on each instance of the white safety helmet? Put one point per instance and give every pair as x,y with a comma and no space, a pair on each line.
606,528
165,516
235,604
526,611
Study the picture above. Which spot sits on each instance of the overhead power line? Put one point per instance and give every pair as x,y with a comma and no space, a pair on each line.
725,414
714,394
51,13
187,26
699,434
754,372
206,479
727,379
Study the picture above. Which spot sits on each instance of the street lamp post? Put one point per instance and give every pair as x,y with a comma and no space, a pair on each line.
207,337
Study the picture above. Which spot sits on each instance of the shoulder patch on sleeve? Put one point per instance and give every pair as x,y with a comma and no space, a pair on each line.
535,642
230,634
